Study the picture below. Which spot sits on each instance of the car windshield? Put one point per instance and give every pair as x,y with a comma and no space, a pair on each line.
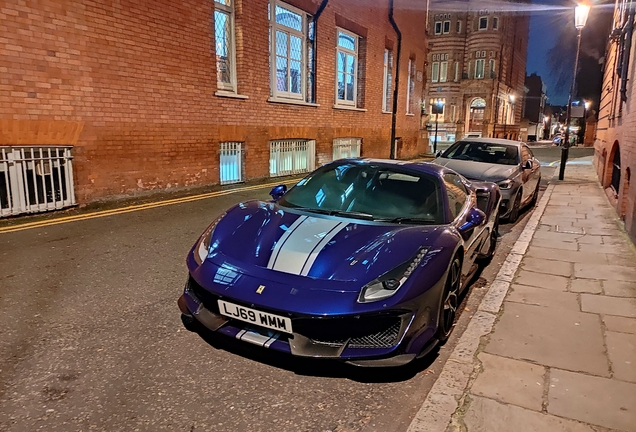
369,192
492,153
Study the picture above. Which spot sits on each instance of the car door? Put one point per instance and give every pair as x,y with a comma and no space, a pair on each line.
460,201
531,176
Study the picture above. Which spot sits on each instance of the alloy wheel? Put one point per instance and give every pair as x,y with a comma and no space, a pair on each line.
451,302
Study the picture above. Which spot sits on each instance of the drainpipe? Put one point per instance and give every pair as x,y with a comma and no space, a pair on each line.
397,78
314,56
627,52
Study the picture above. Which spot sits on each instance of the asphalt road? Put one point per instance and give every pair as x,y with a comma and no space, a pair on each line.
92,340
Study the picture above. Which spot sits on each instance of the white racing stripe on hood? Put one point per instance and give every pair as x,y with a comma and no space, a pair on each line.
298,248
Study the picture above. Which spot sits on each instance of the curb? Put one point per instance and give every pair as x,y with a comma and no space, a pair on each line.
444,398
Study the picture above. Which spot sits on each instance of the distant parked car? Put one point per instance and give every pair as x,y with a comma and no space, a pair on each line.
362,261
557,139
510,164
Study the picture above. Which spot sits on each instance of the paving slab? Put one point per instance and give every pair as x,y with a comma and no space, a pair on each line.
620,324
614,239
510,381
560,237
543,297
590,239
550,336
590,286
539,265
554,244
485,415
616,249
619,288
606,305
567,255
605,272
556,283
621,348
599,401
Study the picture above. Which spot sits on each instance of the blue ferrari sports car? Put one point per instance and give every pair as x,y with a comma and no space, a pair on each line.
361,261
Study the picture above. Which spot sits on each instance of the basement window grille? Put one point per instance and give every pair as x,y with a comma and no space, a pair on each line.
231,163
346,148
289,157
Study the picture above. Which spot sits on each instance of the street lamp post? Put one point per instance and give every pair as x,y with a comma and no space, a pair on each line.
580,18
438,108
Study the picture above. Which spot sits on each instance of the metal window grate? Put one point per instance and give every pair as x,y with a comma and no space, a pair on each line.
231,162
35,179
346,148
288,157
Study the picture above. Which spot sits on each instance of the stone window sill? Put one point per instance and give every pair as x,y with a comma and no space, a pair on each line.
292,102
228,94
349,108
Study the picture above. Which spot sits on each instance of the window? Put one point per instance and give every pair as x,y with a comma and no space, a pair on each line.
456,71
410,87
458,27
288,157
438,27
493,72
435,72
446,27
224,43
495,23
453,113
231,162
479,68
347,68
483,23
388,80
289,28
346,148
456,192
443,71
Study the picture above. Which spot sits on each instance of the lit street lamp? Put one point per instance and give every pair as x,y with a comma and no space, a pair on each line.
438,108
580,18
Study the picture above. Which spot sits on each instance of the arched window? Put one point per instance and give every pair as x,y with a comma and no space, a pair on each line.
478,103
616,170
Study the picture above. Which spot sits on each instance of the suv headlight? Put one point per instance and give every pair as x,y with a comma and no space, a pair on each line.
506,184
388,284
202,247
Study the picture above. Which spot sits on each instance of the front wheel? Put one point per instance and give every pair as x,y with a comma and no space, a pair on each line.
535,195
450,301
516,207
494,236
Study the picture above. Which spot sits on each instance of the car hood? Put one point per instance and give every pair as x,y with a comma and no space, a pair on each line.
479,170
262,238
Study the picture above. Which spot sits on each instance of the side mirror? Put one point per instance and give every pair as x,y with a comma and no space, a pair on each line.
475,218
438,153
527,165
277,192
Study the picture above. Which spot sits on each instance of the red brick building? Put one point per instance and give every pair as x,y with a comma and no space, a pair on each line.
615,144
476,68
163,94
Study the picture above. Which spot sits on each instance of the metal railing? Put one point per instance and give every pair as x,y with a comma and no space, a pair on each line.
346,148
231,163
288,157
35,179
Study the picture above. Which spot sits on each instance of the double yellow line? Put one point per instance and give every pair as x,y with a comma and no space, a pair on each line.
130,209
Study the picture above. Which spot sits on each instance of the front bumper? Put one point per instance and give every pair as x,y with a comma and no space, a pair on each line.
507,199
363,340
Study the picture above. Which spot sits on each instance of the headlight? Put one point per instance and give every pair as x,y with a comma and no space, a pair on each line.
506,184
388,284
202,248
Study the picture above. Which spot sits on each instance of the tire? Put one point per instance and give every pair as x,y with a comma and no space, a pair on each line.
450,301
189,322
516,207
494,236
535,195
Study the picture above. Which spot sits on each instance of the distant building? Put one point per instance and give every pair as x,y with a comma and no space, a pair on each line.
476,68
615,145
534,110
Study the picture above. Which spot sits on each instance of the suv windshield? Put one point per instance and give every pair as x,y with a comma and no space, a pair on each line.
369,192
492,153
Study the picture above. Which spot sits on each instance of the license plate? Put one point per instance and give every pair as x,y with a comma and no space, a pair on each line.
254,316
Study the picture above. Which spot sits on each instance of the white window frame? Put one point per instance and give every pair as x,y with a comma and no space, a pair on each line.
387,86
458,26
346,52
492,67
443,71
480,21
435,72
444,31
441,27
495,23
274,27
481,62
227,9
456,71
409,83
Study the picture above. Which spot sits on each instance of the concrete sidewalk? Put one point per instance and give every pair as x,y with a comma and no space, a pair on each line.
553,345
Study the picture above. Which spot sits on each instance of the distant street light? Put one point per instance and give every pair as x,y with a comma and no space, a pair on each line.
580,18
438,108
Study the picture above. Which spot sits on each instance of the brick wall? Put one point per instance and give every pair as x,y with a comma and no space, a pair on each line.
140,77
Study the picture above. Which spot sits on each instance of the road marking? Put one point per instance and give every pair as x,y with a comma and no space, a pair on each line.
130,209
